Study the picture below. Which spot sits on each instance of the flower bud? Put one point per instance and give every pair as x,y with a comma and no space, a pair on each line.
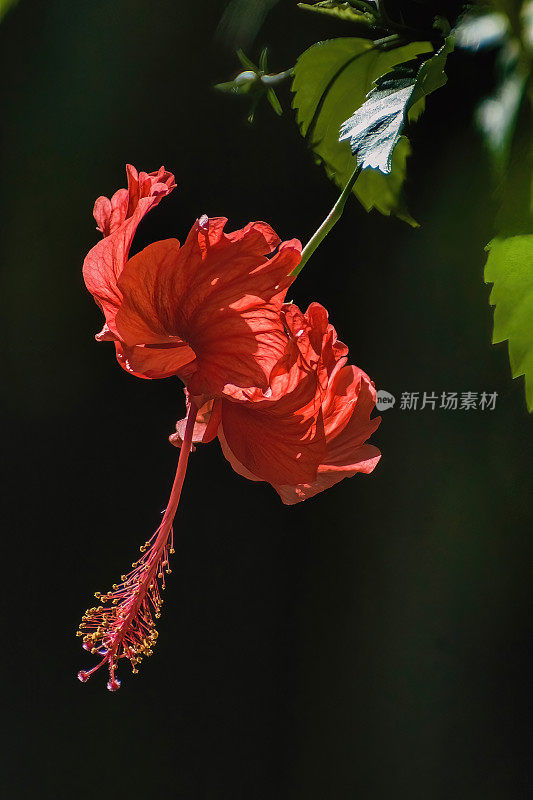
245,77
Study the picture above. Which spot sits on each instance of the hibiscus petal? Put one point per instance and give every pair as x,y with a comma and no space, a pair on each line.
220,294
363,459
259,237
279,442
237,465
350,398
143,316
316,339
118,219
153,362
360,426
349,401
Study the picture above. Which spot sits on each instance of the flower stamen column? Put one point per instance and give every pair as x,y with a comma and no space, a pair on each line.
124,625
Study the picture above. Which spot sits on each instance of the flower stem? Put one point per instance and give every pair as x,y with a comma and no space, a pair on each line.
279,77
181,469
334,215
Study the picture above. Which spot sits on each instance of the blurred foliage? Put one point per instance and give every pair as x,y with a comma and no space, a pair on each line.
241,21
5,5
510,269
506,122
480,28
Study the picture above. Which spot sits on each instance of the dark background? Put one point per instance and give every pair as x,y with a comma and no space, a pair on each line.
369,643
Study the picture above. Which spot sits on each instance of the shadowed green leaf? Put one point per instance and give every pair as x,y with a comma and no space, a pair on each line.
274,102
263,60
245,61
510,269
331,81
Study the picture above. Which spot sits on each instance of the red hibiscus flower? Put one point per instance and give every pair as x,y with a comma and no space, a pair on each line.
270,382
309,430
208,311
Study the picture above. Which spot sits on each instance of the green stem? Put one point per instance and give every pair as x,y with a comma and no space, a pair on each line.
274,80
334,215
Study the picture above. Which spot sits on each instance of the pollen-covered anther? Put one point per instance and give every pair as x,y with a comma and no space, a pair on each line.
125,626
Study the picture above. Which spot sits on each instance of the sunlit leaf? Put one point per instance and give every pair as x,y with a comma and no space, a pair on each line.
510,269
331,81
375,128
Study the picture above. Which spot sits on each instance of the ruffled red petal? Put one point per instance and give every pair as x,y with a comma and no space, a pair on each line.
152,361
262,438
118,219
279,441
346,408
363,459
219,294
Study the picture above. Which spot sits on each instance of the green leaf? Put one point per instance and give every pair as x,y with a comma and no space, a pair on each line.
274,102
510,269
343,11
263,60
228,86
375,128
331,81
245,61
